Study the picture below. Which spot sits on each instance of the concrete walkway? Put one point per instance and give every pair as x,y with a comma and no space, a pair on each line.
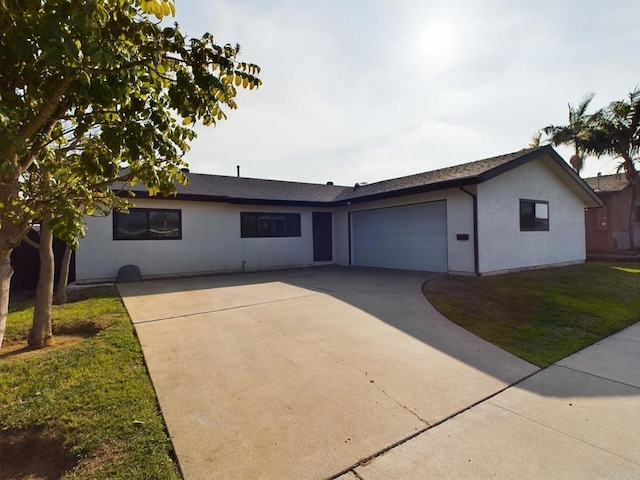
349,373
578,419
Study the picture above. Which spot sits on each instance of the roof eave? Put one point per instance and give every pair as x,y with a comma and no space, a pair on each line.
190,197
538,153
432,187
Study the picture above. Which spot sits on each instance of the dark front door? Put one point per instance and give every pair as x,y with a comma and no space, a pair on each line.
322,237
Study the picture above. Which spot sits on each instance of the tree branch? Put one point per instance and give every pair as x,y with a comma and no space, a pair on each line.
121,178
30,242
26,162
50,106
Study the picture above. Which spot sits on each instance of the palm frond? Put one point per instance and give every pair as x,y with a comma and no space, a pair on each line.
581,110
536,140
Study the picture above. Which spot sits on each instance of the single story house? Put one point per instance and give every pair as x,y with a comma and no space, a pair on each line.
607,227
515,211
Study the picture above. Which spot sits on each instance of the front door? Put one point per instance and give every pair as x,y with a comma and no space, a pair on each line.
322,237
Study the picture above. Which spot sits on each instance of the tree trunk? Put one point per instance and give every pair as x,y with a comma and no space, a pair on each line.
633,208
11,234
40,335
60,297
634,179
5,280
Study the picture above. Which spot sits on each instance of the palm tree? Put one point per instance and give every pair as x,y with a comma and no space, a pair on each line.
536,140
574,133
615,131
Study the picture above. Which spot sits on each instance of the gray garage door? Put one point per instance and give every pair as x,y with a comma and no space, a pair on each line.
412,237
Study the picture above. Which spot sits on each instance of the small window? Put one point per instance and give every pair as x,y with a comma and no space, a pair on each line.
260,224
534,215
147,224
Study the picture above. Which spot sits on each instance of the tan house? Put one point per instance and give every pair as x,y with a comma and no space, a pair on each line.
607,227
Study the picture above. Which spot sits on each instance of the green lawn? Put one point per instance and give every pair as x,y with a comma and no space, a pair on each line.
543,315
87,409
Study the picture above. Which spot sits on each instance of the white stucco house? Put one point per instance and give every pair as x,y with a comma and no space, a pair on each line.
515,211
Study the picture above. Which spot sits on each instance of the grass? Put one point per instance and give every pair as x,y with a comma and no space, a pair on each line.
94,395
543,315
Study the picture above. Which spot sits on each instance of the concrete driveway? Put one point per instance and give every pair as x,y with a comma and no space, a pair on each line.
304,373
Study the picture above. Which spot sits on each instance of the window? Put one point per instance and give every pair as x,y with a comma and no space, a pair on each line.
534,215
147,224
259,224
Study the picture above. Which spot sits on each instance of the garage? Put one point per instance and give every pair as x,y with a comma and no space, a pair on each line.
409,237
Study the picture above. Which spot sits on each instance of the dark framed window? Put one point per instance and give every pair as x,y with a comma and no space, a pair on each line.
265,224
534,216
147,224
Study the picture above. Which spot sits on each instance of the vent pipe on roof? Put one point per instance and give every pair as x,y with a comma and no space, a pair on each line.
329,183
599,175
184,170
238,169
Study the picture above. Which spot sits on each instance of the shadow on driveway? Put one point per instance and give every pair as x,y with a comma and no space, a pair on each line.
304,373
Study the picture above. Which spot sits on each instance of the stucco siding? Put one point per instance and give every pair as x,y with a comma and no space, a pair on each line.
210,242
503,246
341,236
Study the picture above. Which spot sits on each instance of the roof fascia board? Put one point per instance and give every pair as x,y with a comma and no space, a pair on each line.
222,199
284,203
538,153
508,166
432,187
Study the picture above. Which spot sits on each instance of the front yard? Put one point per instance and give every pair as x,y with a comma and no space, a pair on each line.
84,408
87,409
543,315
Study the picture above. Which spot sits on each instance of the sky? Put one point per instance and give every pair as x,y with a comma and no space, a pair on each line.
363,91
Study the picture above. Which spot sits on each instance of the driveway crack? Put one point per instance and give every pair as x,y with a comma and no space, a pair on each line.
372,382
350,365
401,405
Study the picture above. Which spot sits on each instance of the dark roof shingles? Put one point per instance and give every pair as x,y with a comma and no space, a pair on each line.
218,187
432,178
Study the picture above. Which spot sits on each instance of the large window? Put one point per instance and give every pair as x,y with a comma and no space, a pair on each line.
261,224
534,215
147,224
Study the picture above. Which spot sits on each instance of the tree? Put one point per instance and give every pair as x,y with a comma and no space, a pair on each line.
60,290
92,93
615,131
574,133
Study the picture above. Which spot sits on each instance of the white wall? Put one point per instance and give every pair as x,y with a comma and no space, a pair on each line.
210,243
503,246
459,220
211,233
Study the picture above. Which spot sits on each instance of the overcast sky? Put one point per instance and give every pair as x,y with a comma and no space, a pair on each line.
358,90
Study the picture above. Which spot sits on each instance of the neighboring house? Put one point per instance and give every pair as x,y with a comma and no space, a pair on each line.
515,211
607,227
